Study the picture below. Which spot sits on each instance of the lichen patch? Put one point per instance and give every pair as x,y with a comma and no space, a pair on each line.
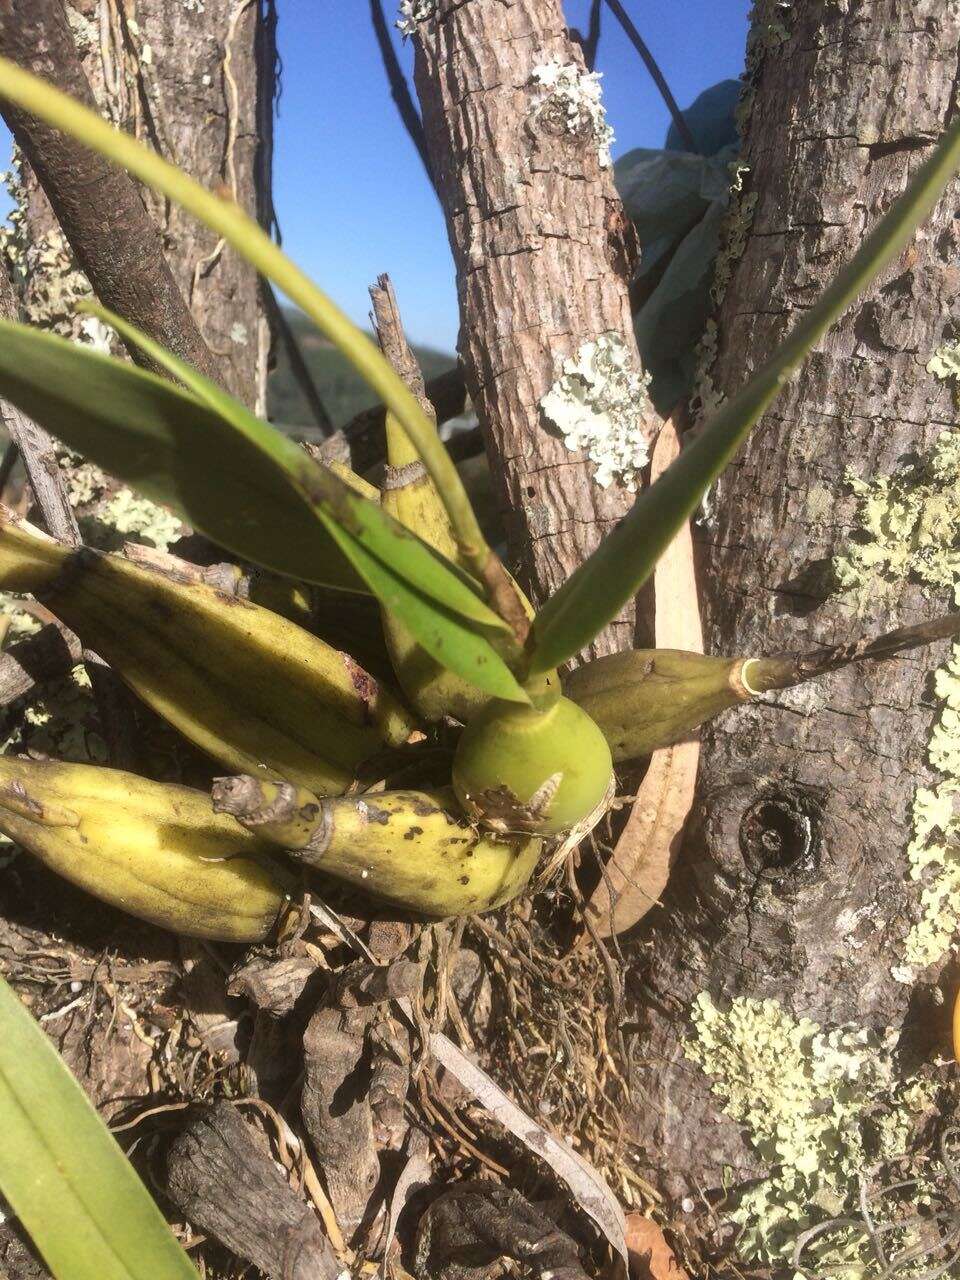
933,855
908,529
908,525
820,1108
570,103
413,11
599,404
945,362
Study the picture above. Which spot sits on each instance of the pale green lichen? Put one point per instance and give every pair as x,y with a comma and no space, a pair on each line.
413,11
945,365
141,520
599,404
907,525
59,720
933,854
820,1108
84,481
86,34
908,529
571,103
945,362
21,622
108,515
769,29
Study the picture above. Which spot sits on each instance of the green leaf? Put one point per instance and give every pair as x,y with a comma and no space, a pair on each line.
599,589
424,568
468,653
252,490
465,650
65,1176
166,444
239,230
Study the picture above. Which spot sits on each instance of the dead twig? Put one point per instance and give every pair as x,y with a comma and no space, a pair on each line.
638,42
399,89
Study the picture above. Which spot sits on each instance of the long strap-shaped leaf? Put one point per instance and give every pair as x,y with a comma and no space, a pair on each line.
239,230
250,489
599,589
375,529
169,446
69,1183
399,570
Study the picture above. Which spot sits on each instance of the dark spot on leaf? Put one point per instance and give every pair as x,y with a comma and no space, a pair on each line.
413,833
309,811
464,879
373,814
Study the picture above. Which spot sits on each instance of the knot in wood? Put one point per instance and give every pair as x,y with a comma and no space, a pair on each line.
781,833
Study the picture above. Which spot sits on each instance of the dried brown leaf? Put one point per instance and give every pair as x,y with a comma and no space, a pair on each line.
651,1258
637,872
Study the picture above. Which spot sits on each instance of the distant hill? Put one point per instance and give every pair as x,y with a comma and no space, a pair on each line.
343,392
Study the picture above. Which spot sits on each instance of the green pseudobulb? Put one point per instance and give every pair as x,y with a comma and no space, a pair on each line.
518,768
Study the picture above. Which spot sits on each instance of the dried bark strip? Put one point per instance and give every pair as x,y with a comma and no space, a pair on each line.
96,203
217,1175
637,873
542,253
336,1113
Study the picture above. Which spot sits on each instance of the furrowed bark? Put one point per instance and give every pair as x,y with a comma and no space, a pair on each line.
196,84
97,204
793,881
542,252
205,101
229,1186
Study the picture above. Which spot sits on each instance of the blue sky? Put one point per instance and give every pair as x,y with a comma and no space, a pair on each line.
350,192
349,189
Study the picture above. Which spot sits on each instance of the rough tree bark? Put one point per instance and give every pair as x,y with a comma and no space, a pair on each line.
792,882
542,254
116,243
195,82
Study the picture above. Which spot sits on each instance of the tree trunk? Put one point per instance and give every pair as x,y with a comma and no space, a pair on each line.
194,81
97,205
542,254
205,100
793,883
